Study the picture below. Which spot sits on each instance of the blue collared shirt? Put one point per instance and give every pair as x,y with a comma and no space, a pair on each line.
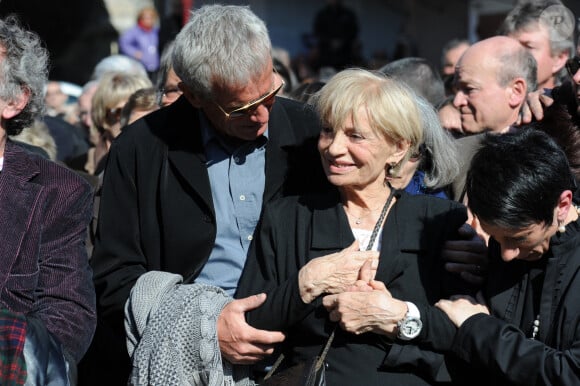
237,178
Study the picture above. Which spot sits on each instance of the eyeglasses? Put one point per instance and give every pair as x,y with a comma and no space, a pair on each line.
417,154
573,65
170,91
249,108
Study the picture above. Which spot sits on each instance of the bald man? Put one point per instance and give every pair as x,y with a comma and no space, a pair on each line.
493,78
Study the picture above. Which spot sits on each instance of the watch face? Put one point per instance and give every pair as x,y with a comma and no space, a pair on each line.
409,328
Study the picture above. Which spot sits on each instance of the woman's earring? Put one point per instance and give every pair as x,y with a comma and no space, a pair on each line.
561,228
391,169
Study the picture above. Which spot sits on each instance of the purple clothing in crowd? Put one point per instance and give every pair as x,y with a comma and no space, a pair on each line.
137,40
44,267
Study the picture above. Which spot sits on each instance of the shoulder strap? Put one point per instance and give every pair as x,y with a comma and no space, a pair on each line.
322,356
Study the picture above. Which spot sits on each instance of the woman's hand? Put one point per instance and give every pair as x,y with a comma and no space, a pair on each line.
366,311
334,273
461,308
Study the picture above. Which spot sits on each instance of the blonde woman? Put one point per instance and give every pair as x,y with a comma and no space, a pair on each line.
311,253
113,92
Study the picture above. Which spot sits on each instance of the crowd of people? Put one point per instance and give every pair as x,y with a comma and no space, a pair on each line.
207,216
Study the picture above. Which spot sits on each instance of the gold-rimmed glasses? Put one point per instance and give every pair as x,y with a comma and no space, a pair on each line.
249,108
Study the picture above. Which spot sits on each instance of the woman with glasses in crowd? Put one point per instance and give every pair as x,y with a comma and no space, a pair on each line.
433,165
113,91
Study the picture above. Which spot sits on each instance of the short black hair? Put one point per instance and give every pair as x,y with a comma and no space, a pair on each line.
516,179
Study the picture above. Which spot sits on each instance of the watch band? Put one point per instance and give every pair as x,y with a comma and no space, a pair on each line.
413,311
410,326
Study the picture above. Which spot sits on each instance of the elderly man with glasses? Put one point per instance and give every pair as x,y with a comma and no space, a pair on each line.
184,186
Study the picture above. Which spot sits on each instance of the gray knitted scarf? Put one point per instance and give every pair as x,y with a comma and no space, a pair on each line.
172,337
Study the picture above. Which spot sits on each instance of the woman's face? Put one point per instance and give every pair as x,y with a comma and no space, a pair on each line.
148,18
528,243
112,122
356,157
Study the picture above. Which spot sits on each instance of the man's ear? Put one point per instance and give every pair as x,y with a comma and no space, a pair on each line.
14,107
194,100
518,91
559,61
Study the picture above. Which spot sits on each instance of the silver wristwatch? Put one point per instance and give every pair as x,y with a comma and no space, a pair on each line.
410,326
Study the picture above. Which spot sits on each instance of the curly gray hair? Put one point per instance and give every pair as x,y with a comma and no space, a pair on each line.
23,70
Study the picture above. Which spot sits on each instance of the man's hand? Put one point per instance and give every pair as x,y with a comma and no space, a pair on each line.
461,308
239,342
450,118
534,107
466,257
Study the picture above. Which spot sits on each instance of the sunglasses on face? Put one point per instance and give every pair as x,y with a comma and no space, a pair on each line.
573,65
249,108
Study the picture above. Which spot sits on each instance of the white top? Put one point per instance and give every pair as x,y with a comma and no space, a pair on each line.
363,236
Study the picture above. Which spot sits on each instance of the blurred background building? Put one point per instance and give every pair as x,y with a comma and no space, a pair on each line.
79,33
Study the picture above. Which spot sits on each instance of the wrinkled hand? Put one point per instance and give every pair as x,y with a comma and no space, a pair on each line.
461,308
450,118
359,312
366,275
534,107
466,257
239,342
334,273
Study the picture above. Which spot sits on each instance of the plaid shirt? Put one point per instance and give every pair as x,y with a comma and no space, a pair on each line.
12,337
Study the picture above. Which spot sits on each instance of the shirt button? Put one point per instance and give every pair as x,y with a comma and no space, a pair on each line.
250,237
242,198
237,160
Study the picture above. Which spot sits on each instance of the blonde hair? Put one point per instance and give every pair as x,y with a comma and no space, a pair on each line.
390,105
114,88
38,135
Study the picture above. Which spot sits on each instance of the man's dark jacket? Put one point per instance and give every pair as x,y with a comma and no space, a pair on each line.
156,206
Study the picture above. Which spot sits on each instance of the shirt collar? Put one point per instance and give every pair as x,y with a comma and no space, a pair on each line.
209,133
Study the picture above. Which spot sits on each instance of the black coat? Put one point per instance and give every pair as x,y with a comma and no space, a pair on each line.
296,230
499,349
156,210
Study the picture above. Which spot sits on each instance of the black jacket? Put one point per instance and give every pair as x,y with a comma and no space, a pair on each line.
156,209
296,230
499,349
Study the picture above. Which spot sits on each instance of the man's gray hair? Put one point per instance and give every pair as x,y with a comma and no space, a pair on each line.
518,63
23,69
553,15
221,45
